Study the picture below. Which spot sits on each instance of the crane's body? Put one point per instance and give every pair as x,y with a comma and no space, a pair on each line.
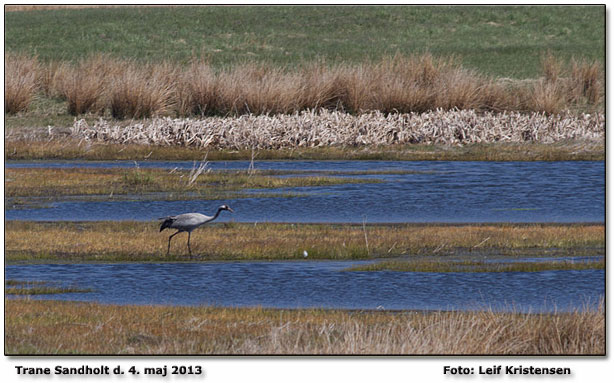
185,222
188,222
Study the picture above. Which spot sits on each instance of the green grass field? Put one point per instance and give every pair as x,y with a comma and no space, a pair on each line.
497,41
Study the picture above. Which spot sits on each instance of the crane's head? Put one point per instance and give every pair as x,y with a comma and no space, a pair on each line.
226,207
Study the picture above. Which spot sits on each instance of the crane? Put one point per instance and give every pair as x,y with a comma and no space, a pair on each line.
188,222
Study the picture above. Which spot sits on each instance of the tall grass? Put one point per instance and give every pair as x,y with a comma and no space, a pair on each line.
20,82
587,80
84,85
142,92
395,84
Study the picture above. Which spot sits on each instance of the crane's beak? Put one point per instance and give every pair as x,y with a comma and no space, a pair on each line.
230,210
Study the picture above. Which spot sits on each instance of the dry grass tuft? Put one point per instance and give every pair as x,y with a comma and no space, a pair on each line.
587,81
547,96
85,85
197,90
20,82
138,93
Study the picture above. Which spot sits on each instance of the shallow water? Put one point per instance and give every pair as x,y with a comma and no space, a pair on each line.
304,284
443,191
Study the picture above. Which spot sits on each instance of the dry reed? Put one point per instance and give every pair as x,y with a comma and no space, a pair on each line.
326,128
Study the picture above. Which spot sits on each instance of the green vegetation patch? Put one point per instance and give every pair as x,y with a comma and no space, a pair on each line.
471,266
139,183
16,287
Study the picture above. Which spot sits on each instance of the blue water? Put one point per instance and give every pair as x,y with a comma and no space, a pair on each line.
442,192
304,284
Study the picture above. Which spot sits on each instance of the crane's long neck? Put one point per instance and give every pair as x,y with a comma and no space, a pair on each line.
217,213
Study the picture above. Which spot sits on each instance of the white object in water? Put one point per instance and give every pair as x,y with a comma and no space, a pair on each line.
305,254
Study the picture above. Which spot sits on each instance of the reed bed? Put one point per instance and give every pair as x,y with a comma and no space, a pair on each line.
141,241
324,128
52,327
126,88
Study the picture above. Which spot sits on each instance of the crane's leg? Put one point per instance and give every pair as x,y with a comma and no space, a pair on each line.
169,243
190,250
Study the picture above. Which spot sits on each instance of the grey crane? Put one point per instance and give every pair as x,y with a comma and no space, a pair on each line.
188,222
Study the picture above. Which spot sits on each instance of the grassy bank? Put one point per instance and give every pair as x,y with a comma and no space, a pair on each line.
140,241
196,183
49,327
70,149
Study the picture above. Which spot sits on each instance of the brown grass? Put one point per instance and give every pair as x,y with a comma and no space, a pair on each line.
84,85
142,93
397,84
50,327
587,81
20,82
141,241
547,96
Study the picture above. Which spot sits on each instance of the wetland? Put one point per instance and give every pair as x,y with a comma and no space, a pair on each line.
418,248
374,234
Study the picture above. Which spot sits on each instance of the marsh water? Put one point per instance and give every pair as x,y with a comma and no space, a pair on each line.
455,192
317,284
429,191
